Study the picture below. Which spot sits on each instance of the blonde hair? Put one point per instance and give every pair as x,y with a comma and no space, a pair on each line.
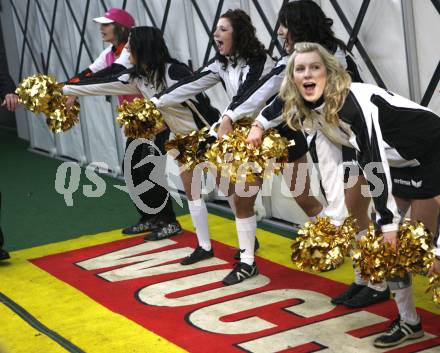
335,91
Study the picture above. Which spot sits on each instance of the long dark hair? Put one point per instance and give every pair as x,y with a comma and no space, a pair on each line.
148,48
121,33
306,22
245,43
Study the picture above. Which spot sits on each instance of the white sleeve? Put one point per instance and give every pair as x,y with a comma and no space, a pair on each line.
331,170
124,59
100,63
112,88
258,95
377,172
272,114
189,87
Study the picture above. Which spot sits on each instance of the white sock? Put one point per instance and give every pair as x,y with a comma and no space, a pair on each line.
380,287
315,218
405,305
232,204
199,216
246,230
357,273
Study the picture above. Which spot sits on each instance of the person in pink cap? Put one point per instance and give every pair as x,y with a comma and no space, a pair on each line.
115,26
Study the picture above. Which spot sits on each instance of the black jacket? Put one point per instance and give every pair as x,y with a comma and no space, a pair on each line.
6,84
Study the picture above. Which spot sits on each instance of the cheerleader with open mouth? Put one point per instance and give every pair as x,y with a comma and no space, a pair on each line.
240,62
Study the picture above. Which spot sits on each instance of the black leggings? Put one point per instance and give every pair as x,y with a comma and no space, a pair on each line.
154,197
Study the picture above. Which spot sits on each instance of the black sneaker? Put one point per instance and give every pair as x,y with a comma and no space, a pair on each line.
237,254
140,227
398,332
4,255
197,255
367,296
351,291
240,272
164,230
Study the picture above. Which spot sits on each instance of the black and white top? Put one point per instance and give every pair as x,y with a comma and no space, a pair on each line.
236,80
387,130
264,94
190,114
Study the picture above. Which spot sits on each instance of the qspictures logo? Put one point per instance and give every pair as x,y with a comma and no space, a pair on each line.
68,178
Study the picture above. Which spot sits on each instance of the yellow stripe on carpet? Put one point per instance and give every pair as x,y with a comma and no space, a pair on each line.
66,310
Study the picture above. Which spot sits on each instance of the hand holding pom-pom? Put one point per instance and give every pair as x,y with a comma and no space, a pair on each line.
42,94
140,118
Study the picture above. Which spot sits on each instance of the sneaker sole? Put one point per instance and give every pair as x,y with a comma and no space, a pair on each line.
413,336
143,232
168,236
244,279
336,301
356,306
140,232
190,263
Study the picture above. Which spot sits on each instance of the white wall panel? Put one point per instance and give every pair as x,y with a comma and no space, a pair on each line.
97,140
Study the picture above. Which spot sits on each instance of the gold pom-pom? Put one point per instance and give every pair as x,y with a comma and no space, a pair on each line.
415,250
373,256
434,286
61,118
42,94
188,147
140,118
238,161
377,261
321,246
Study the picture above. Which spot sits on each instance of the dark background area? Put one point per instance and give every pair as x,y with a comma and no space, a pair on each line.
7,119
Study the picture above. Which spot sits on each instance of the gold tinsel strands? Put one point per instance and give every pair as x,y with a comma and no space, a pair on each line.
372,256
321,246
377,261
42,94
140,118
238,161
415,250
434,286
187,146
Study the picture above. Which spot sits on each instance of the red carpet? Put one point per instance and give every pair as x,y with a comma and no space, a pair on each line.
281,310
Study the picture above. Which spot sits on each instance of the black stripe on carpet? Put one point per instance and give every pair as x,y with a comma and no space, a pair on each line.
32,321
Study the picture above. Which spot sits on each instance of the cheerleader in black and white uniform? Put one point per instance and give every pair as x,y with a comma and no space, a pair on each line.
299,21
397,143
241,61
115,27
153,71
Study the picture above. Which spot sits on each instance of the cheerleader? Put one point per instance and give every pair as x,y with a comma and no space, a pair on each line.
154,70
304,20
397,143
115,25
240,62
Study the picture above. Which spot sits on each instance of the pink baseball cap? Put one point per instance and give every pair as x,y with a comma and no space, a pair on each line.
115,15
